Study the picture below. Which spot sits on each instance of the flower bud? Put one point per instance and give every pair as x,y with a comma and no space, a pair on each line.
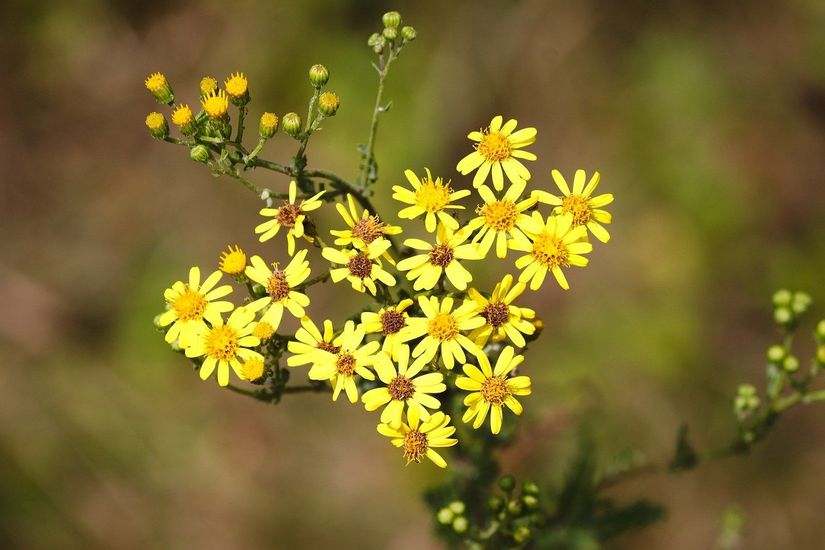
495,503
208,85
776,353
522,534
530,488
746,401
507,483
460,524
373,39
783,316
328,103
237,87
820,354
263,330
790,364
157,125
291,124
445,516
318,75
820,330
268,125
782,297
390,33
800,302
199,153
380,42
457,507
514,508
530,502
408,34
158,86
391,19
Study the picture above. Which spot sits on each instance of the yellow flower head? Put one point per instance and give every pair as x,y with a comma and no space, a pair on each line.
310,343
291,215
155,121
498,151
491,389
500,218
268,125
366,232
420,440
585,209
156,83
404,387
352,359
215,104
252,369
442,257
390,322
191,304
552,245
236,85
280,287
361,269
442,329
208,85
263,330
182,116
429,197
502,318
224,345
232,261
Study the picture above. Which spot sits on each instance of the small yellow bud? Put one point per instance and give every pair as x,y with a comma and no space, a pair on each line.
158,86
292,123
263,330
238,88
216,104
208,85
232,261
318,75
252,369
268,125
157,125
184,119
328,103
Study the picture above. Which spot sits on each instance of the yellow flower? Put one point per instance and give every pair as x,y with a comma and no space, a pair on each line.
309,342
232,261
182,116
280,287
224,344
442,257
352,359
207,85
503,319
552,245
156,82
585,209
366,232
236,85
499,148
252,369
191,303
391,322
419,441
215,104
491,389
403,387
290,214
429,197
155,121
441,328
263,330
499,218
361,269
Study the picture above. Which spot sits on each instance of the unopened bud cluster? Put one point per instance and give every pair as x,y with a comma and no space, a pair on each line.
393,36
789,307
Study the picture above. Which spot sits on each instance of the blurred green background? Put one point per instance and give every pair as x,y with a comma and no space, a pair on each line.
706,120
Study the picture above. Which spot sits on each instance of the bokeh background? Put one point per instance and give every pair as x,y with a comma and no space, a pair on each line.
706,119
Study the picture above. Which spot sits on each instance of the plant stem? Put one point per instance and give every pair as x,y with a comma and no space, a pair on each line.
241,117
368,155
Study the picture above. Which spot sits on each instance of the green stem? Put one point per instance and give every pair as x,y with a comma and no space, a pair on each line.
368,156
248,184
241,117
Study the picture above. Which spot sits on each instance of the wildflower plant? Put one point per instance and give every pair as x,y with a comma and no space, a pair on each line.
442,360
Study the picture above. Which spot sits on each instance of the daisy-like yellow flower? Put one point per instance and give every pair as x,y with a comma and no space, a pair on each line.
191,303
403,387
215,104
232,261
390,321
182,116
498,151
585,208
361,269
430,197
498,218
366,232
225,344
156,82
280,285
207,84
552,245
236,85
352,359
503,319
310,341
441,328
442,257
493,388
420,440
291,215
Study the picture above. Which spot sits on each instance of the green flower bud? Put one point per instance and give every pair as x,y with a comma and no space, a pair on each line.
457,507
156,323
268,125
390,33
408,34
776,353
157,125
514,508
521,534
530,502
820,354
782,297
790,364
783,316
494,503
391,19
820,330
460,524
374,39
800,303
507,483
445,516
292,124
328,103
530,488
318,75
199,153
380,42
